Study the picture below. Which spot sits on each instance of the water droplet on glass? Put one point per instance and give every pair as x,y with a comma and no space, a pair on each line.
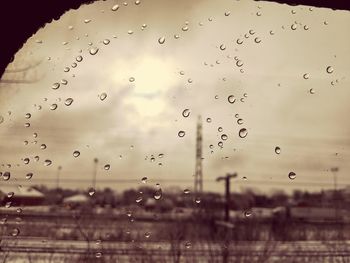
79,58
197,200
277,150
53,106
272,32
208,120
306,27
152,159
186,191
29,176
243,133
98,254
312,91
239,63
222,47
36,158
181,133
147,234
158,194
66,69
294,26
188,245
107,167
138,199
306,76
186,113
115,8
26,160
55,85
329,69
106,41
43,146
227,13
239,41
292,175
161,155
251,31
325,23
15,232
220,129
247,213
103,96
27,125
91,191
68,101
6,176
144,180
231,99
131,79
161,40
220,144
93,50
224,137
8,204
10,194
185,28
25,142
47,162
76,154
258,13
257,40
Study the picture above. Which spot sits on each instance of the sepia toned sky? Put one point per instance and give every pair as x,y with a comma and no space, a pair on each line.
149,84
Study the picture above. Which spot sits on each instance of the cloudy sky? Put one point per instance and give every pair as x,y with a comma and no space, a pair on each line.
157,58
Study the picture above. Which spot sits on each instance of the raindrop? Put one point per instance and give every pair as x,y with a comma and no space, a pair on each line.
43,146
227,13
224,137
68,101
98,254
152,159
93,50
47,162
28,115
106,41
15,232
53,106
138,199
239,63
86,21
325,23
130,32
115,8
158,194
220,144
186,191
161,155
79,58
103,96
181,133
189,80
239,41
292,175
10,194
26,160
6,176
144,180
66,69
243,133
36,158
91,191
208,120
258,13
137,2
25,142
176,36
251,31
306,76
231,99
186,113
64,81
197,200
161,40
220,129
312,91
131,79
247,213
257,40
306,27
185,28
8,204
272,32
55,85
329,69
294,26
188,245
277,150
222,47
29,176
76,154
107,167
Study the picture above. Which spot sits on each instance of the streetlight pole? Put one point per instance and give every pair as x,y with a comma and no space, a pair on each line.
227,180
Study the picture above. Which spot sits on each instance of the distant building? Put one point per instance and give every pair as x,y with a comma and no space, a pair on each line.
21,196
76,200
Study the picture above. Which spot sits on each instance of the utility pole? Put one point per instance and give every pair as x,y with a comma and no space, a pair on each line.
94,174
198,176
227,180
